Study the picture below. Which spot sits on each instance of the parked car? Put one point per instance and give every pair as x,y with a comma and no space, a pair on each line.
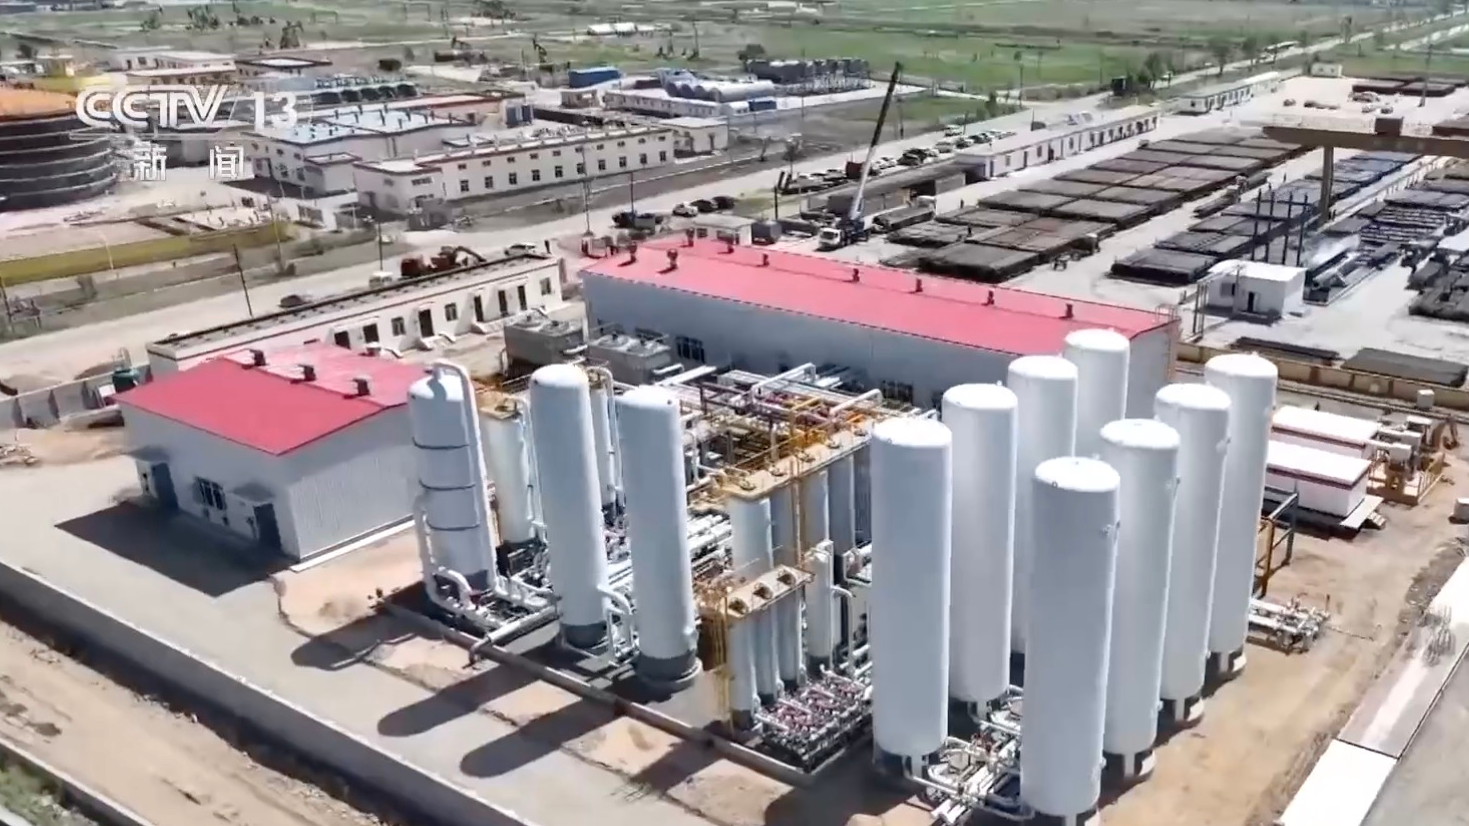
953,131
295,300
1387,110
684,211
702,205
1368,109
1289,102
724,202
962,143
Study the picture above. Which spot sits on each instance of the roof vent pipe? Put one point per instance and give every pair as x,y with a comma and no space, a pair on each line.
363,385
688,237
672,260
764,259
989,299
918,285
1070,310
856,274
728,247
632,253
308,372
257,358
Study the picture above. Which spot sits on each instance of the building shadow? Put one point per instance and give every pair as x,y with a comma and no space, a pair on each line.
166,544
847,789
536,739
461,699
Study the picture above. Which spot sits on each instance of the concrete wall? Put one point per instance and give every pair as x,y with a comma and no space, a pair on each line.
425,798
118,256
49,406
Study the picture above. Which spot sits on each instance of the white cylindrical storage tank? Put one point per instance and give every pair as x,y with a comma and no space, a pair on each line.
649,433
983,420
751,555
1101,358
451,476
602,437
1075,520
561,425
912,524
789,648
820,596
1200,414
841,498
1249,381
1045,392
509,465
1144,452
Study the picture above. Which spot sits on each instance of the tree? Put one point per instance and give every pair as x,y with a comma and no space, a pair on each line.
26,51
751,51
1221,49
1249,48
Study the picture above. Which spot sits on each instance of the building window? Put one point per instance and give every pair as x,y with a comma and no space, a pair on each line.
451,312
489,182
509,159
601,164
479,307
601,146
690,349
520,296
896,391
209,494
581,169
535,175
642,159
642,140
369,333
421,181
557,172
663,156
622,162
463,187
463,166
545,286
514,179
484,163
555,153
398,327
535,156
342,338
621,144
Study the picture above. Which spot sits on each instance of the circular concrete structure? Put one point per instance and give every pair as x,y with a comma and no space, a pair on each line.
48,157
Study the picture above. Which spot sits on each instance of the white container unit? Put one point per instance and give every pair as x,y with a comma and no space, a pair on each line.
1332,432
1144,452
509,465
1045,389
1101,358
1200,414
1326,481
649,433
983,420
751,555
561,426
451,477
1075,519
912,526
1249,380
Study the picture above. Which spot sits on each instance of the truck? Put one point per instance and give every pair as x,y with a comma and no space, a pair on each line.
852,227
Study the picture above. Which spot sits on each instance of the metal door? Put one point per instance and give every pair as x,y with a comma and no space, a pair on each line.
267,531
163,491
426,323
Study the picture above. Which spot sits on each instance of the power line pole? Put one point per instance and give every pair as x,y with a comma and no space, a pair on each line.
244,283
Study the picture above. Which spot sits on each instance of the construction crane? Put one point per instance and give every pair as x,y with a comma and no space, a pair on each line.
852,227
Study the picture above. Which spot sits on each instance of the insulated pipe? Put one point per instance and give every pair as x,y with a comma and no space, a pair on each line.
750,556
870,395
820,606
618,606
602,432
789,375
425,553
783,531
841,506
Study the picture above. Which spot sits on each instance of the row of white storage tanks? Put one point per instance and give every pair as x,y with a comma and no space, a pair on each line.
1116,556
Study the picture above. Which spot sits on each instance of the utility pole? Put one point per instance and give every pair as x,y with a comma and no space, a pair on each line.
379,224
244,283
632,196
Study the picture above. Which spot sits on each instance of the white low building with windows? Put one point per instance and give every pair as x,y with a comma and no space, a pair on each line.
475,169
396,318
1064,140
1230,93
294,452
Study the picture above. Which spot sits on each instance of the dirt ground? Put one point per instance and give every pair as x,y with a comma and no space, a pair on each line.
1260,734
60,447
168,768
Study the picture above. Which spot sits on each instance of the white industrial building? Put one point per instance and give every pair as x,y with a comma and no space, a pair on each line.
1331,432
699,136
396,317
476,168
660,103
910,336
126,60
1231,93
295,451
1256,288
277,65
1331,483
1002,157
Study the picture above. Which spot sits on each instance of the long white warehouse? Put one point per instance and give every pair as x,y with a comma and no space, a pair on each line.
911,337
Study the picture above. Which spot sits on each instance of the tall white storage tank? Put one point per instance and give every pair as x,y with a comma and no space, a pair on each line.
1144,452
1075,522
561,425
1045,389
1200,414
1249,380
751,555
649,434
451,476
912,525
504,431
1101,358
789,649
983,420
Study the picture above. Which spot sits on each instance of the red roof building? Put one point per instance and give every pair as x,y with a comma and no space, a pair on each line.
916,334
299,449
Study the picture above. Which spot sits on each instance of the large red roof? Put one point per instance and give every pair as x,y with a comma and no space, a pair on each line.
273,408
960,312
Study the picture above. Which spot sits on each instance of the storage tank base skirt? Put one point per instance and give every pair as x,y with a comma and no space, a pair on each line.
1122,771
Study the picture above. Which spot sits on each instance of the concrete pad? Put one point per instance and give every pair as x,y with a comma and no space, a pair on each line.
1340,789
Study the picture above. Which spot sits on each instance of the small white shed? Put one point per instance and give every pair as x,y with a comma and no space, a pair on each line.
1327,482
1331,432
1256,288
